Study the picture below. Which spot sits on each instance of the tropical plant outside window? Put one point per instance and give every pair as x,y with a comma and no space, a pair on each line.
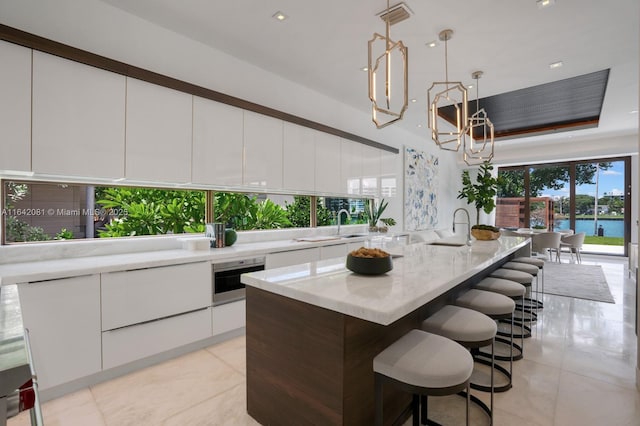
40,211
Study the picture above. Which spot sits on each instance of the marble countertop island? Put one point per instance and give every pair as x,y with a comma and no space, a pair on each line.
421,272
313,330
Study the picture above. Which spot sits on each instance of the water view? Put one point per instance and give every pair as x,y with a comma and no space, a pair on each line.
610,227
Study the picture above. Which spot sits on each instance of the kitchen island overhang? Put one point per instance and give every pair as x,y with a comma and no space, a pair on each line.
314,329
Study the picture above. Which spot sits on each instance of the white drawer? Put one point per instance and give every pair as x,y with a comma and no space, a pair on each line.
228,317
336,250
132,297
139,341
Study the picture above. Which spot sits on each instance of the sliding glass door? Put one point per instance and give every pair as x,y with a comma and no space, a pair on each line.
579,196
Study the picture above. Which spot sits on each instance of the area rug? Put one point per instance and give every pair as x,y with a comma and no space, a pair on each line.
575,280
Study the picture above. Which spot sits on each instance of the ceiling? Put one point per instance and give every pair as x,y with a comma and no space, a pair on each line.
323,45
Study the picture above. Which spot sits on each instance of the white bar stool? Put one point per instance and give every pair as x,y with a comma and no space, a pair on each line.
540,264
524,278
423,364
497,307
515,292
471,329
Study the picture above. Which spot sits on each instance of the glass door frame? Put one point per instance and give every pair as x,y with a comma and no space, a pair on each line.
572,189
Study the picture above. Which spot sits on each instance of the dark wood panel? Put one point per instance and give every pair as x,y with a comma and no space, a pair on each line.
42,44
294,361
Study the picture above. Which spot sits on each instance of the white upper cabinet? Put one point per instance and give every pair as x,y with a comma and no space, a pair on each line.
217,143
299,147
351,167
370,171
15,107
328,164
78,119
158,133
262,151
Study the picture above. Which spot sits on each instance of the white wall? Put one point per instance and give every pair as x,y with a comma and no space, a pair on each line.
102,29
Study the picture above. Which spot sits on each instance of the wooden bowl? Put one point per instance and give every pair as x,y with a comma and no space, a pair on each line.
369,265
484,234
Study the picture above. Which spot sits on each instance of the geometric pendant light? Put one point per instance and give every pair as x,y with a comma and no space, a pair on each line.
479,147
385,56
447,135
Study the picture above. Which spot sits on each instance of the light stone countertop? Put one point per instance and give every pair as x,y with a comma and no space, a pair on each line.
422,273
29,271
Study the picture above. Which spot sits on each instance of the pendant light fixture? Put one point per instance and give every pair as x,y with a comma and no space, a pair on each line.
480,146
384,109
447,94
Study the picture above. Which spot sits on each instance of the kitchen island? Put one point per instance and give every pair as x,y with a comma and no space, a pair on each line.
313,329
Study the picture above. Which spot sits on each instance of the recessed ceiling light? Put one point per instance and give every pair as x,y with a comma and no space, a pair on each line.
419,125
414,100
554,65
470,86
432,43
365,69
635,111
280,16
545,3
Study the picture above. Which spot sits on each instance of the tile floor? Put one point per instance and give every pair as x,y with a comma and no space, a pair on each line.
579,369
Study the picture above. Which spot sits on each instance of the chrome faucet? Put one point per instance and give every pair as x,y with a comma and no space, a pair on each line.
338,218
469,241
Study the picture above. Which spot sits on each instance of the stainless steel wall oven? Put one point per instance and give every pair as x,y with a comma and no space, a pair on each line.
226,279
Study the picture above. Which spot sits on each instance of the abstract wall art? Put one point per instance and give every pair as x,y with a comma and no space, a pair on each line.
420,188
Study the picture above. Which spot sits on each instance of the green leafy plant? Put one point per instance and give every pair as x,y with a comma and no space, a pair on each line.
481,194
299,212
64,234
144,211
374,213
389,221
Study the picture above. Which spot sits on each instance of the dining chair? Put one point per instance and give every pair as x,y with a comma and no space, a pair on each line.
544,241
573,243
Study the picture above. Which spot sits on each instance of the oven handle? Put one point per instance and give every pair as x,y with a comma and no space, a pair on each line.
238,264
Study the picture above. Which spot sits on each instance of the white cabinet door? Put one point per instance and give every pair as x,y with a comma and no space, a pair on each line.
139,341
15,107
351,167
370,171
336,250
131,297
78,119
158,133
328,164
228,317
217,143
263,151
299,149
289,258
63,318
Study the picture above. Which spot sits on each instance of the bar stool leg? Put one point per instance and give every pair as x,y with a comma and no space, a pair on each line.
378,399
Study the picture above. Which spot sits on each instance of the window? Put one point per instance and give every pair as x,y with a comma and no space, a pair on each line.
41,211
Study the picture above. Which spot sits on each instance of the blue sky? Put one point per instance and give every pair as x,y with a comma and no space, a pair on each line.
610,182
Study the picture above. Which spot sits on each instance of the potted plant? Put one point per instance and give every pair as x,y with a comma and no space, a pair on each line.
481,194
375,215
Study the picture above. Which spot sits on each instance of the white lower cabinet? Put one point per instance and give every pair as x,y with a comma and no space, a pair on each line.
128,344
229,316
293,257
63,319
132,297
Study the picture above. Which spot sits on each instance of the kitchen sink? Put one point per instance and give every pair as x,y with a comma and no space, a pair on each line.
353,235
